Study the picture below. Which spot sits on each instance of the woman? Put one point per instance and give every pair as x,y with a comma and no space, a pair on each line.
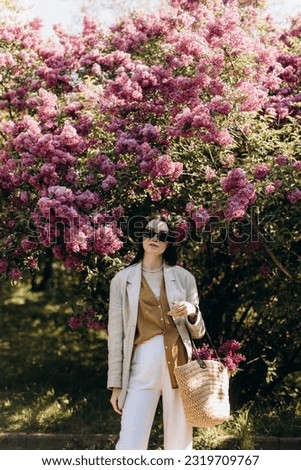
153,305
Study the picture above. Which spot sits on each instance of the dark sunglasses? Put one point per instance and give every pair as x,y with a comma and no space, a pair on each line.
161,236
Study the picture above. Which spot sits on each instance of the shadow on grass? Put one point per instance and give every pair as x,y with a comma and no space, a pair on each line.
52,378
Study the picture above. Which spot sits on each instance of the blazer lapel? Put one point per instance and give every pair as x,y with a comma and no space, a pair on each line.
133,290
170,284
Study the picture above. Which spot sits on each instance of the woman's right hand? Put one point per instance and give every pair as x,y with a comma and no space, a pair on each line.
114,400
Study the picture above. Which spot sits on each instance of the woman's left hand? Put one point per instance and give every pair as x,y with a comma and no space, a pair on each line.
182,309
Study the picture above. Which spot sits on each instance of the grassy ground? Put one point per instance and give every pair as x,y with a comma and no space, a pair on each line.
53,379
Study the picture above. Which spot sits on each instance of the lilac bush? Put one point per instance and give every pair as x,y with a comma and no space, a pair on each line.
192,111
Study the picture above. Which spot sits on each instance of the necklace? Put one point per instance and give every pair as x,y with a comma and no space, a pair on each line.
152,270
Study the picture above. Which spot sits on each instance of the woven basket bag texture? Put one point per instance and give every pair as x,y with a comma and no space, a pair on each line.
204,392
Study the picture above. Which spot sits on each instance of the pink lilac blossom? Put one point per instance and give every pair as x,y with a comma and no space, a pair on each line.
200,217
228,160
294,196
58,252
69,136
96,325
221,137
107,240
252,99
74,228
219,105
185,4
89,317
28,245
73,262
3,266
297,165
15,274
49,109
178,170
75,322
270,188
281,160
165,191
181,231
76,241
118,212
108,183
32,263
86,199
11,223
103,164
235,180
231,357
238,204
155,194
89,312
227,353
24,197
206,353
162,166
146,184
261,170
189,207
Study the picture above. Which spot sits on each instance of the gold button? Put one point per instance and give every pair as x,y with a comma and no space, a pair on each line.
161,319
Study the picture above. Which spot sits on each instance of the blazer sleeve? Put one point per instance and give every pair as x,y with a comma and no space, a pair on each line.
115,335
196,329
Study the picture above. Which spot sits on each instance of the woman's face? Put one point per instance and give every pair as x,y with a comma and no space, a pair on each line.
154,240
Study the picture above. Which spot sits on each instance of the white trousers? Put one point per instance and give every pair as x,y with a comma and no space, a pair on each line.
149,379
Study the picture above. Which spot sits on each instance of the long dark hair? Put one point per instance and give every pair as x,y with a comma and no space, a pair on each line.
170,255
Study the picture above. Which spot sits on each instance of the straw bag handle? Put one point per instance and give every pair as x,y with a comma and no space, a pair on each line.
200,361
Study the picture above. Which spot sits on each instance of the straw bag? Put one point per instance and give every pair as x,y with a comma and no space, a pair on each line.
204,388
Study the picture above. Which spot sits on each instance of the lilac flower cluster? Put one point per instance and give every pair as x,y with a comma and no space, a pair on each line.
88,318
227,353
242,193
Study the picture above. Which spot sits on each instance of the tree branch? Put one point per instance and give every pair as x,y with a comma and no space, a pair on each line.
272,255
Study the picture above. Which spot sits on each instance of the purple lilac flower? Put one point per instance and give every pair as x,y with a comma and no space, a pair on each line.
227,352
75,322
261,171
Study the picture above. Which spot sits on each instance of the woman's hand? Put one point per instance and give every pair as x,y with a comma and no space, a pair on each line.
183,309
114,400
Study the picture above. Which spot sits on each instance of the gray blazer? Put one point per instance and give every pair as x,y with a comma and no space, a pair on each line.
123,310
